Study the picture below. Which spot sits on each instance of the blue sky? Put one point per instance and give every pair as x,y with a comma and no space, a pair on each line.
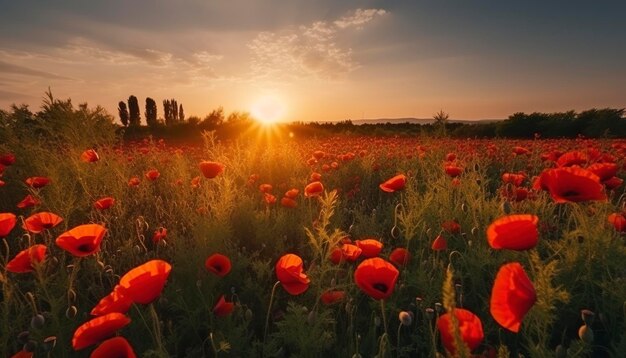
319,60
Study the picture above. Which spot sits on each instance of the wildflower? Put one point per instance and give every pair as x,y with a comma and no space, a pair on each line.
451,226
453,171
218,264
37,182
290,274
570,184
24,260
400,257
376,278
134,181
153,174
292,193
394,184
512,296
82,240
370,247
104,203
514,232
211,169
313,189
470,329
117,347
98,329
332,296
116,301
159,234
616,219
145,282
223,308
439,244
288,202
7,159
27,202
350,252
39,222
7,223
89,156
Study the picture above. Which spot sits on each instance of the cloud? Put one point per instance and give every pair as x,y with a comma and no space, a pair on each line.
10,68
359,18
308,51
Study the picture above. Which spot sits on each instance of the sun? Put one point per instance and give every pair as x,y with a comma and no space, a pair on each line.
268,109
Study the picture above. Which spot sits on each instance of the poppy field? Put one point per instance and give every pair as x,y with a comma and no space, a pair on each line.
331,247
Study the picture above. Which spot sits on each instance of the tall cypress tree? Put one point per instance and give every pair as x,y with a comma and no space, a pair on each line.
181,113
134,118
151,112
167,112
123,111
174,110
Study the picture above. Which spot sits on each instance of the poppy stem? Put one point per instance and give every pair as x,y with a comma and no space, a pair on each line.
385,336
157,327
269,310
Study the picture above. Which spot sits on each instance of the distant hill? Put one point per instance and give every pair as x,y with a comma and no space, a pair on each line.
420,121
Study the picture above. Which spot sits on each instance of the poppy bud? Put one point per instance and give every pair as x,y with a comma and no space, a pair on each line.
233,290
377,321
418,301
248,315
438,307
429,231
474,231
49,343
311,318
333,282
587,317
395,232
23,337
506,207
198,283
37,321
71,311
464,207
430,313
71,295
405,318
586,334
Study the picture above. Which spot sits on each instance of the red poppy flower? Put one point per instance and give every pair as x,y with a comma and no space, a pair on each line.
292,193
98,329
116,347
145,282
269,199
195,182
82,240
153,174
27,202
23,354
453,170
612,183
470,328
116,301
394,184
570,184
618,221
514,232
223,308
24,260
104,203
376,278
439,244
159,234
333,296
315,177
515,179
211,169
134,181
2,182
318,154
336,256
313,189
288,202
370,247
39,222
37,182
400,257
89,156
604,171
290,275
451,226
450,157
520,150
350,252
512,296
7,223
218,264
7,159
571,158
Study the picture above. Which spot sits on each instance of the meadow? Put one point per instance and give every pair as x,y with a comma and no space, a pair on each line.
341,246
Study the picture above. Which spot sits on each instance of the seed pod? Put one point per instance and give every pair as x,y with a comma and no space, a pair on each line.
49,343
506,207
438,307
37,321
430,313
311,318
333,282
418,301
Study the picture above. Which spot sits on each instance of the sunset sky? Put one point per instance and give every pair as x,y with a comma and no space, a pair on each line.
318,60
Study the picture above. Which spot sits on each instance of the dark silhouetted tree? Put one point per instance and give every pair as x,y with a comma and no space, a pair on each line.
151,113
213,119
123,111
134,119
181,113
174,110
441,118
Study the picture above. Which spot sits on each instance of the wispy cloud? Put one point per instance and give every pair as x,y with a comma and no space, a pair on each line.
308,51
10,68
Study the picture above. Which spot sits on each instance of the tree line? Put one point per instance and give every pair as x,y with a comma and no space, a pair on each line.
130,115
